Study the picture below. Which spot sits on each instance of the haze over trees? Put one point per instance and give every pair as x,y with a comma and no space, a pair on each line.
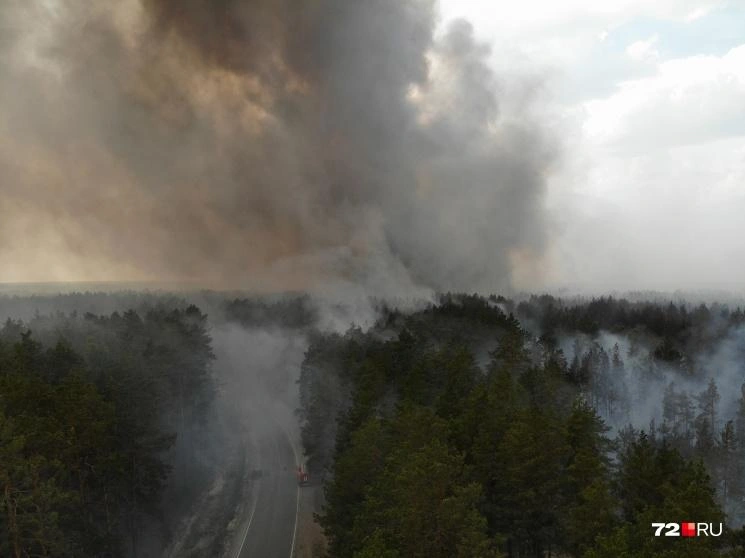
459,431
472,426
98,414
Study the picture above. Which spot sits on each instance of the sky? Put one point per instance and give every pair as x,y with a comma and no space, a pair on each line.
650,98
394,147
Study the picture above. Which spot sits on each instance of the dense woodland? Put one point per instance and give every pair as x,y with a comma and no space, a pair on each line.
99,417
484,427
468,427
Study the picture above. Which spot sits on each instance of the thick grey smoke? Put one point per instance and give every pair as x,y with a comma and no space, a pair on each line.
268,143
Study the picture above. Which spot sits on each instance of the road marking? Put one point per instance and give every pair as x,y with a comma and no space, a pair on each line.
294,529
297,499
253,511
297,491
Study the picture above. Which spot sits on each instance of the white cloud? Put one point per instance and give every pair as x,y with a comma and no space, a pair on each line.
652,191
563,30
663,221
644,51
661,192
688,100
698,13
550,13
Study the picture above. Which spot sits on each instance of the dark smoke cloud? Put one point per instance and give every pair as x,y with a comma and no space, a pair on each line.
269,143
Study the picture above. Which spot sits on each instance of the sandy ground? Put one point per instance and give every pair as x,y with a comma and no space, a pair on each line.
310,542
205,531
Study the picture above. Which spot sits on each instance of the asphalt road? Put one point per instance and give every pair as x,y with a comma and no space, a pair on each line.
269,529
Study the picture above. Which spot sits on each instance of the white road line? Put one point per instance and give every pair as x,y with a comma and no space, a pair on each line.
253,511
297,500
294,529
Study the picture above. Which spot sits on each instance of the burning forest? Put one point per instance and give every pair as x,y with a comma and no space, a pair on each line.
372,279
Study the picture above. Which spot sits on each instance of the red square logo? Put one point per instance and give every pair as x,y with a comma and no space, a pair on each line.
688,529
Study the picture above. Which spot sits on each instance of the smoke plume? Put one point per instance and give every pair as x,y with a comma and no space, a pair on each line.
268,143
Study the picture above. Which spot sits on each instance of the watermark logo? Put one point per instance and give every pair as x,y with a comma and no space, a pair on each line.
687,529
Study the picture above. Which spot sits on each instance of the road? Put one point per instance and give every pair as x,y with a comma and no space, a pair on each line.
269,529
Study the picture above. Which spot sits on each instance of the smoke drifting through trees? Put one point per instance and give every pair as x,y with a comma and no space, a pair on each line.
492,379
547,474
155,407
264,142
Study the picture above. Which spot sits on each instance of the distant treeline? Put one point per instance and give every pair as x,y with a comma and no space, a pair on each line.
290,312
28,306
465,430
686,326
95,413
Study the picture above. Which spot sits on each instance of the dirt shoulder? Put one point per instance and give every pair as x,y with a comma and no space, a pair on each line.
309,541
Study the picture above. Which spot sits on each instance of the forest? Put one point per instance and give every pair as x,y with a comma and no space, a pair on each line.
465,426
488,427
97,415
369,278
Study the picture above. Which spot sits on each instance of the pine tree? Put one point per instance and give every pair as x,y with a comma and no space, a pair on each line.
590,505
706,421
728,468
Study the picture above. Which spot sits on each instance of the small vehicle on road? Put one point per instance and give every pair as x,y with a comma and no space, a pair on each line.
302,475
